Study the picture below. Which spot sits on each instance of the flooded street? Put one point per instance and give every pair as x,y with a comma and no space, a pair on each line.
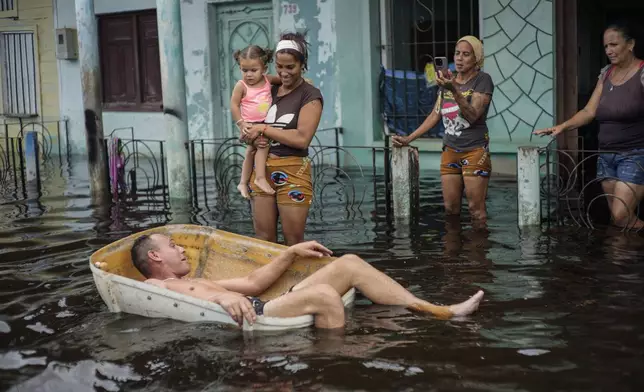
563,310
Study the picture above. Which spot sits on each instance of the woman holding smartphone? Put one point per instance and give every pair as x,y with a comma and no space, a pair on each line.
462,104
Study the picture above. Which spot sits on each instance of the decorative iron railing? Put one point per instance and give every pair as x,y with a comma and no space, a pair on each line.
53,147
345,177
572,193
137,170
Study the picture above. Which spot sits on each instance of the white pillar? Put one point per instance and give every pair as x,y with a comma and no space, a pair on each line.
92,101
175,108
401,186
529,186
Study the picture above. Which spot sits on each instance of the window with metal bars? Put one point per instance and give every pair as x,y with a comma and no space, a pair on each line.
417,31
19,85
8,9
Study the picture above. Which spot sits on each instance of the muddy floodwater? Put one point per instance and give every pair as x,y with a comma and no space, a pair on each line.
564,309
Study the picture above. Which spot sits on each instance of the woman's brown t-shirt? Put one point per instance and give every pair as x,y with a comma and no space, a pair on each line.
284,114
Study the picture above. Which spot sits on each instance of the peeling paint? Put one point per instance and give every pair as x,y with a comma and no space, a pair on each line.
199,121
326,35
318,18
198,93
338,107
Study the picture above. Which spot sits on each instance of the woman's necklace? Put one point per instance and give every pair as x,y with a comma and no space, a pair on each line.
286,92
628,71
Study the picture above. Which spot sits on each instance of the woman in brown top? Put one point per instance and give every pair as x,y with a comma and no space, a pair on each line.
289,126
618,104
463,103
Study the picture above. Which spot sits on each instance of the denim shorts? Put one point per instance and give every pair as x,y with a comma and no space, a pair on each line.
627,167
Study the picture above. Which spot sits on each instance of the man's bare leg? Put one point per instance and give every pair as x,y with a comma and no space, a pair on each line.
351,271
322,301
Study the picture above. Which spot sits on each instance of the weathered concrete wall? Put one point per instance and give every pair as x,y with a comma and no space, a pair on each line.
147,125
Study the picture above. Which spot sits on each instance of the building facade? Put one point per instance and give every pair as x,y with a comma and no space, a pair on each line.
358,48
28,71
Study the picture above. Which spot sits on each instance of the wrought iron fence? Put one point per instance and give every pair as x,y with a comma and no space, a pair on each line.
52,145
573,193
53,134
340,179
137,170
12,166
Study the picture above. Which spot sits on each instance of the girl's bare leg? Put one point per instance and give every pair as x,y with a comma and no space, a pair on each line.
261,155
247,170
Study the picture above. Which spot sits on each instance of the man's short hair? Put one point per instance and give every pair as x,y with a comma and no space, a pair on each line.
139,253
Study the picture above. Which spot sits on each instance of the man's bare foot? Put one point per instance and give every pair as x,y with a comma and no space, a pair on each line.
264,185
446,312
243,189
468,307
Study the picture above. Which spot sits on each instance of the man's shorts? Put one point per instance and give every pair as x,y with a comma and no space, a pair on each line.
258,305
291,179
474,163
627,167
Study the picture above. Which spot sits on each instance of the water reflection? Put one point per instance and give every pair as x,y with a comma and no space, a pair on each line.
562,310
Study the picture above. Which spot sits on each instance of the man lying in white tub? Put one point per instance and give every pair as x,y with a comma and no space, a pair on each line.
165,265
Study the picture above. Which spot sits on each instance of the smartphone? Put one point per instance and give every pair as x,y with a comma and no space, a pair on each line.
441,64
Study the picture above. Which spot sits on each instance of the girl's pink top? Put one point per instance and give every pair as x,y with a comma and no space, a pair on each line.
256,103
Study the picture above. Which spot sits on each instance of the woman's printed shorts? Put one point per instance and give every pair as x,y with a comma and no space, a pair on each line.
291,179
475,162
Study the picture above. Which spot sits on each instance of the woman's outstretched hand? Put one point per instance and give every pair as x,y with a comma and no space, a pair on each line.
400,141
552,131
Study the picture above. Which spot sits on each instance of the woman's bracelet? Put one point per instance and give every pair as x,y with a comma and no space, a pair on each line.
238,121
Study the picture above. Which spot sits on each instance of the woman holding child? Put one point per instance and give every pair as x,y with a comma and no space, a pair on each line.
287,131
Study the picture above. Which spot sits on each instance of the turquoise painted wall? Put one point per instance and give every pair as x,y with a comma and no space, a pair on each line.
358,59
318,19
518,41
343,61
